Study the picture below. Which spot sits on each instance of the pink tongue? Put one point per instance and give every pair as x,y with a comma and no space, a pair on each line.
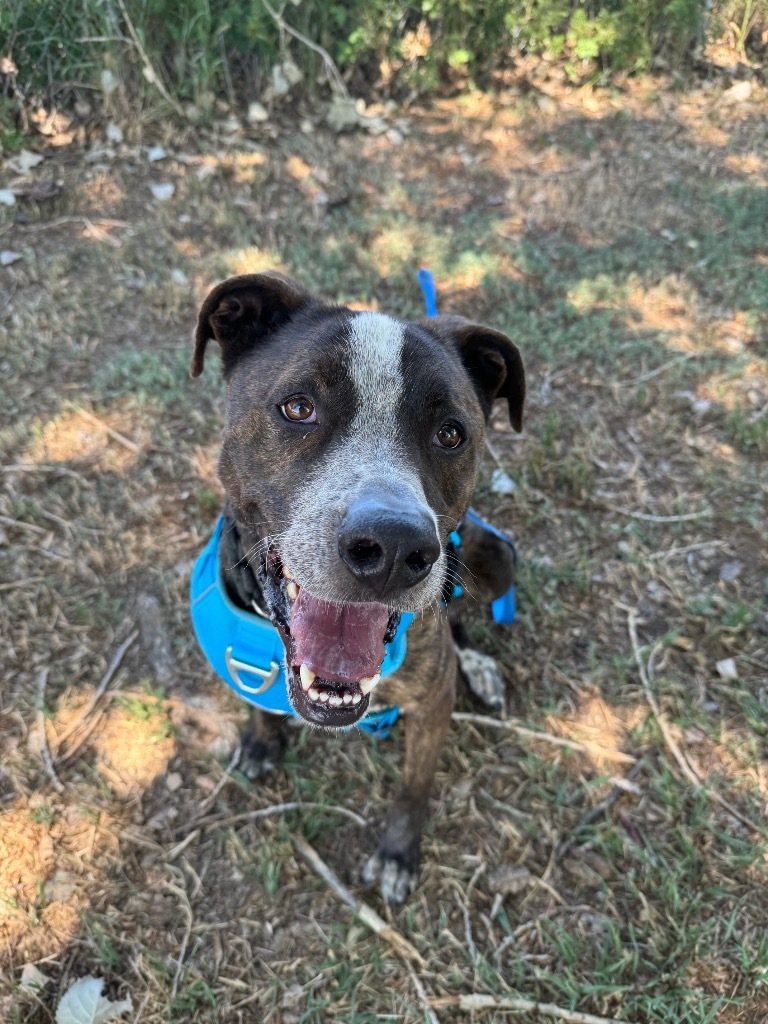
344,643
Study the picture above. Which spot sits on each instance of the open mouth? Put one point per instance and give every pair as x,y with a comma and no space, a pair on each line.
334,652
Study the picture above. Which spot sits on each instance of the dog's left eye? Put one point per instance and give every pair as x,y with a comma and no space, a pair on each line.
299,409
449,436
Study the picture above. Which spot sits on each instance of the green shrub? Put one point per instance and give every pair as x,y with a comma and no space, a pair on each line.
207,48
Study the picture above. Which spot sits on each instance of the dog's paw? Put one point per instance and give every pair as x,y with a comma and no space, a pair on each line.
483,677
396,879
258,757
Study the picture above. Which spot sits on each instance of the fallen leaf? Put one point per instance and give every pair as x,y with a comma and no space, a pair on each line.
33,979
501,482
83,1003
726,669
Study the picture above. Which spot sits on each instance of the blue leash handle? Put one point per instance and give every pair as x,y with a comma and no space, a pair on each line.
427,283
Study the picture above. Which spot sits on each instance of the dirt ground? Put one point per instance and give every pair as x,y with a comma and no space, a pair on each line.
605,850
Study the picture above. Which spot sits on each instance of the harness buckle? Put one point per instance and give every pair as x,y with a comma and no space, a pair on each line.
268,675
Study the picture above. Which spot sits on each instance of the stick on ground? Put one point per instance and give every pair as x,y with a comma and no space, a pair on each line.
362,911
475,1002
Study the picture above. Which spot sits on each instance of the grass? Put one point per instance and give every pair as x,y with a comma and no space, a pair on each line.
648,372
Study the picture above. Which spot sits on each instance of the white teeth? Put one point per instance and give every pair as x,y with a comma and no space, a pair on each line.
334,700
324,696
287,574
292,590
367,684
307,677
313,694
356,699
347,698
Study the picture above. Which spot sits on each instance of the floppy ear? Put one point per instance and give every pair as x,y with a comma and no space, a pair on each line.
492,361
242,310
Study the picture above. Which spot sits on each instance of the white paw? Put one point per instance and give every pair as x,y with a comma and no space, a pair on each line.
395,881
483,677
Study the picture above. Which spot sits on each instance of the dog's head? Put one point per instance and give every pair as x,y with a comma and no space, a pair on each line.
351,448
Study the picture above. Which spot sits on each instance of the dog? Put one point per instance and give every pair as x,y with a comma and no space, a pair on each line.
350,451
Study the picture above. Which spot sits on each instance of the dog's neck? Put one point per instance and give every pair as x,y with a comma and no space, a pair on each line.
235,555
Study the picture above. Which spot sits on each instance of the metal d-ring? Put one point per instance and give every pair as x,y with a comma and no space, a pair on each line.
235,667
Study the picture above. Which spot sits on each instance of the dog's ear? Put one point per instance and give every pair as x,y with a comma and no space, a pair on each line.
492,361
242,310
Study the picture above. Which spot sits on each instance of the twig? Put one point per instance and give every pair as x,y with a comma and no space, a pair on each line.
546,737
669,739
106,680
330,67
362,911
42,679
265,812
648,518
223,780
671,552
598,811
155,78
187,932
475,1001
114,434
42,467
21,583
643,376
421,992
32,527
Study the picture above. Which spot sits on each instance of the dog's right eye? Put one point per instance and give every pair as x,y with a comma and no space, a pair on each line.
299,409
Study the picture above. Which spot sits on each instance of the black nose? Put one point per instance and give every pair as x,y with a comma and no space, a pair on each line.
387,547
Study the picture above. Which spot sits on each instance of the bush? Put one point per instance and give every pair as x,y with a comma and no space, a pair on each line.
205,48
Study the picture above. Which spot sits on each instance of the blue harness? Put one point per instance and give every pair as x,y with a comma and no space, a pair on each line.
245,649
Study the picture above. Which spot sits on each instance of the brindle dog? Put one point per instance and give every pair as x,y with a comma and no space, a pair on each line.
350,452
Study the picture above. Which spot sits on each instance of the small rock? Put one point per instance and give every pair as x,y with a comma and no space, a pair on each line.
292,72
394,137
737,93
114,132
8,256
7,198
341,114
108,82
509,879
24,161
257,113
173,781
730,571
726,669
156,153
501,482
179,277
280,84
60,886
163,190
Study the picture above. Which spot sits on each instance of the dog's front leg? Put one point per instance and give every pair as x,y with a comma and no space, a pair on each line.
396,862
262,744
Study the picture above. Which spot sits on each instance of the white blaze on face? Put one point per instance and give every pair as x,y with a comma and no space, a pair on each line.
370,454
375,351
